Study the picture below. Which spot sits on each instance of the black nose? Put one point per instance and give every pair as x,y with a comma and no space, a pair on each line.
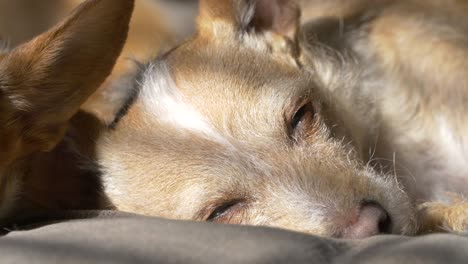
372,220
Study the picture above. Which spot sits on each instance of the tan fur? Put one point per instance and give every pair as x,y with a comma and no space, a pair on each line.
211,126
412,72
440,217
241,150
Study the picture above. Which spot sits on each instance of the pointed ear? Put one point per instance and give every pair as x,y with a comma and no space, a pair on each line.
44,82
281,17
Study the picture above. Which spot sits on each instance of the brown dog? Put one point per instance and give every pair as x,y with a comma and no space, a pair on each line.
44,82
252,122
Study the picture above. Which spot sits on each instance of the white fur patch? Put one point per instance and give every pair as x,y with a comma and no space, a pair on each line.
164,101
113,185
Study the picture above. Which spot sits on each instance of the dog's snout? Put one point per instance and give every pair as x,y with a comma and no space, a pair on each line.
372,219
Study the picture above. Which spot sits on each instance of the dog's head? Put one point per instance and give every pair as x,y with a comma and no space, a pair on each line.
229,127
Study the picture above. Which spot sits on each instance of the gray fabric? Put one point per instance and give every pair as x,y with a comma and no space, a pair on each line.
109,237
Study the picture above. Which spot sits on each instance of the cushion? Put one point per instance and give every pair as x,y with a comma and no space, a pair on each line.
113,237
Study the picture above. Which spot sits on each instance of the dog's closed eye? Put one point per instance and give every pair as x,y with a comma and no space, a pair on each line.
230,212
300,120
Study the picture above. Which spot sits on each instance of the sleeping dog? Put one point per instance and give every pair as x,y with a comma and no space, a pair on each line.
258,119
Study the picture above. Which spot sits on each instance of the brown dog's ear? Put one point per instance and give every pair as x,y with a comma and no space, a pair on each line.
281,17
44,82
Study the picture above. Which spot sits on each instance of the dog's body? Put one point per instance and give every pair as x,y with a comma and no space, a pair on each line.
410,55
250,122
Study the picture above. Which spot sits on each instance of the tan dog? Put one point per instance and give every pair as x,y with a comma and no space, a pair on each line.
407,89
249,123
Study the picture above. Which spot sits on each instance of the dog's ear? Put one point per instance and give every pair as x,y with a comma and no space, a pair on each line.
280,17
44,82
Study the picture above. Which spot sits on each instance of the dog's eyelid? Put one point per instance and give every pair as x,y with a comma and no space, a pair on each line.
225,212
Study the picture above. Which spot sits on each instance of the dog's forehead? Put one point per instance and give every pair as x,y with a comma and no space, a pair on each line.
218,96
161,102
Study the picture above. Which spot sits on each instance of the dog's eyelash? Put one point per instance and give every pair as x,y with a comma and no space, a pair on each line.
219,211
226,211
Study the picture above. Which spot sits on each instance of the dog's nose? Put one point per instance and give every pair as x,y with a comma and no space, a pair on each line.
372,220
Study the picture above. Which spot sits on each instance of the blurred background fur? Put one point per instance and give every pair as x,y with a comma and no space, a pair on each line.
156,25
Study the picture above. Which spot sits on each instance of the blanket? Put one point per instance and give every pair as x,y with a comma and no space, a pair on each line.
113,237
